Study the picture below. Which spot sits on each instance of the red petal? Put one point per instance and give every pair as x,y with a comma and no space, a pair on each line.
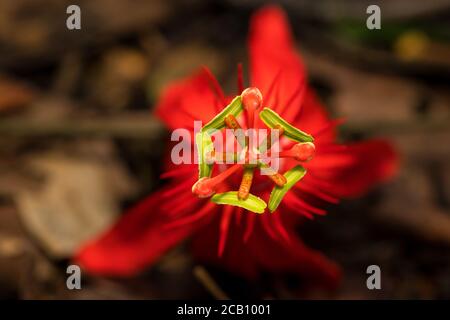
262,253
372,162
187,100
276,67
136,241
272,52
314,118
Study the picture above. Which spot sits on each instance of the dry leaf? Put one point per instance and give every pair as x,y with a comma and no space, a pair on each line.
78,199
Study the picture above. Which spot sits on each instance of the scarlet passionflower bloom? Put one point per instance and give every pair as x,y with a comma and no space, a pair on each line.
228,236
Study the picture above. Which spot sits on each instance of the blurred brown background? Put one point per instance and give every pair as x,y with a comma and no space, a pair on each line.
78,143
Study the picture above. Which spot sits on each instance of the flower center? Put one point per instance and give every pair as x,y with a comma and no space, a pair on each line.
250,102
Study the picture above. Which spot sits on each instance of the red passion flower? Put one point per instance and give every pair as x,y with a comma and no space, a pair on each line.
224,231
